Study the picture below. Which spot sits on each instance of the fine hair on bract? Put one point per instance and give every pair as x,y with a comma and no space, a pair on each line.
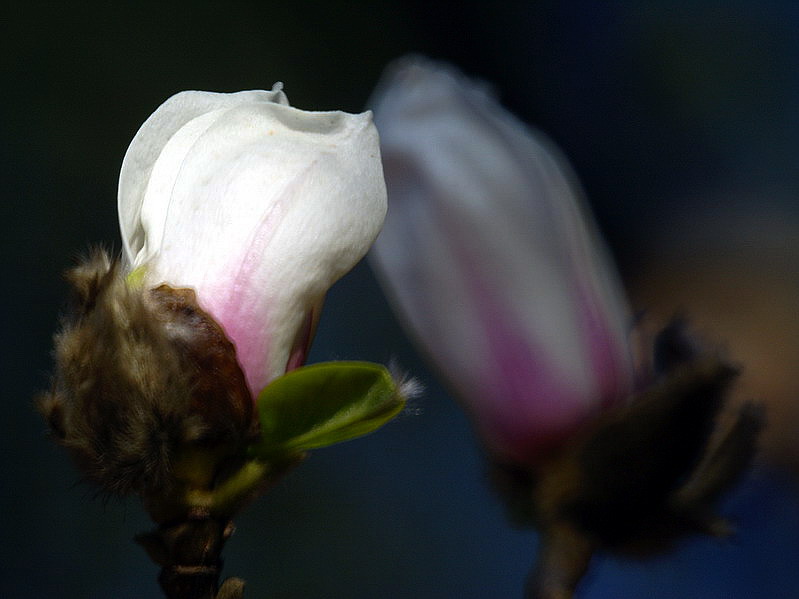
133,364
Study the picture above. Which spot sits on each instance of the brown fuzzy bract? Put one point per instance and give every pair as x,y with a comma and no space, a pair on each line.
141,374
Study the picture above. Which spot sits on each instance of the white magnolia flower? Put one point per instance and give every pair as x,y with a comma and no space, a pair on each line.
257,206
493,262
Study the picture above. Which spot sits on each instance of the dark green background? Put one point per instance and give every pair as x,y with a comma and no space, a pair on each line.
656,103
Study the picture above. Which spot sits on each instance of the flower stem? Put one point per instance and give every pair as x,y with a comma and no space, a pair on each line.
189,555
562,562
188,544
195,522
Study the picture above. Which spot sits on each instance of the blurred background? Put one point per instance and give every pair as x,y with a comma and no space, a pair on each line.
682,121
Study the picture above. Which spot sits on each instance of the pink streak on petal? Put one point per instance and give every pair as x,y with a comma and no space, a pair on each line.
532,407
522,405
238,305
612,372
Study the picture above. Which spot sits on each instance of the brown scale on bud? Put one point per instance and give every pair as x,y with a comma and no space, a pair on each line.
142,376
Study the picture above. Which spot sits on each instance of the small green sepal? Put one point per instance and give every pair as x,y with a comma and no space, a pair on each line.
322,404
135,277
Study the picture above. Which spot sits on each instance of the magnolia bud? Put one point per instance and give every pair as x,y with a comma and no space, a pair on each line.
237,213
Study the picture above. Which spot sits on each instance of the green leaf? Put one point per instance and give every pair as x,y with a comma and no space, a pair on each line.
322,404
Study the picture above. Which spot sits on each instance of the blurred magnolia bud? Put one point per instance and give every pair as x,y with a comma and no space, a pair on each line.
494,263
237,213
257,206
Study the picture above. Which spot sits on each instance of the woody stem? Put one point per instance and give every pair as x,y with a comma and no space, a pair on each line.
193,564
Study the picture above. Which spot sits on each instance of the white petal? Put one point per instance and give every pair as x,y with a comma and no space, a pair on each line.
150,140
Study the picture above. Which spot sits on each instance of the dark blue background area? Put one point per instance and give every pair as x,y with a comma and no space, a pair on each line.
663,109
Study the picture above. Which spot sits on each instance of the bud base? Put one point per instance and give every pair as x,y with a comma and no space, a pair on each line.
636,479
